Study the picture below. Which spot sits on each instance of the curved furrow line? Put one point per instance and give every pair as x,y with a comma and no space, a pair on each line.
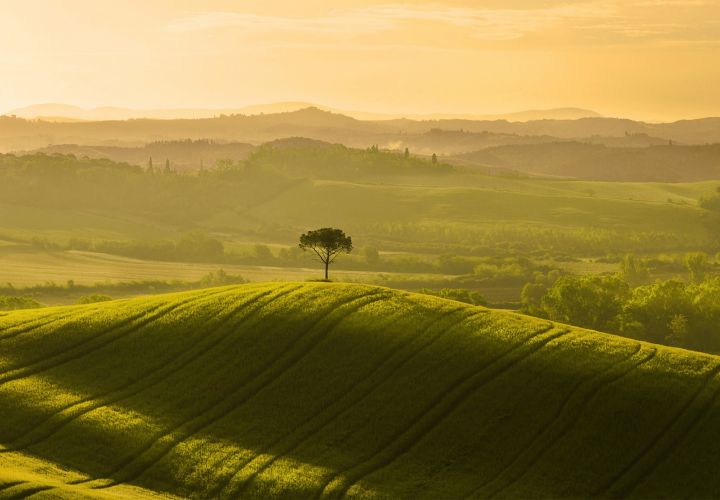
623,480
10,484
144,381
435,412
63,416
89,338
23,490
237,484
229,402
162,443
103,339
564,420
676,441
31,325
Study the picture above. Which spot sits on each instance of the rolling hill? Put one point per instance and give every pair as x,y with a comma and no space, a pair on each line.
656,163
382,199
322,390
183,155
22,134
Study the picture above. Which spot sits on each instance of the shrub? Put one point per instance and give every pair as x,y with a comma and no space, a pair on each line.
9,303
91,299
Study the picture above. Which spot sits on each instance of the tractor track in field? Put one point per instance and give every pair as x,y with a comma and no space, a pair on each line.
7,375
622,480
10,484
162,444
23,490
676,441
558,426
153,377
328,415
26,327
328,391
103,338
435,412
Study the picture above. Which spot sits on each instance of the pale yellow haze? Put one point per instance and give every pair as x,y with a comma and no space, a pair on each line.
648,59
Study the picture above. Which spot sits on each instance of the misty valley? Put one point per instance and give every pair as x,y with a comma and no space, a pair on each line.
633,258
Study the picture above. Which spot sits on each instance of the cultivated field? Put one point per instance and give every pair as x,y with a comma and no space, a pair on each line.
325,390
88,268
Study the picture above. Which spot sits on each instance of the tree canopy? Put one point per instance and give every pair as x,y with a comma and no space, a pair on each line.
327,243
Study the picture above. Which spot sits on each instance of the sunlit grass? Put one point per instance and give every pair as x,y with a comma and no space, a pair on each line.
322,390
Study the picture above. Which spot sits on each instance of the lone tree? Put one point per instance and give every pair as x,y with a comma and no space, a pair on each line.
327,243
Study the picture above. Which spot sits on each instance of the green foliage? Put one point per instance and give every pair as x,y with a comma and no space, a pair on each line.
531,298
679,331
589,301
220,278
665,312
650,310
196,246
314,159
634,271
371,255
181,394
199,247
696,264
327,243
459,294
12,303
91,299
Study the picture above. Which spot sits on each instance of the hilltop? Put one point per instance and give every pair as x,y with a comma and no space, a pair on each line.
321,390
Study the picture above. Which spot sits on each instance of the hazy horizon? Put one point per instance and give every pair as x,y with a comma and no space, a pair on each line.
445,57
68,110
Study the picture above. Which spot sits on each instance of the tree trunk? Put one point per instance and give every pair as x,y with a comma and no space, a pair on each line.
326,269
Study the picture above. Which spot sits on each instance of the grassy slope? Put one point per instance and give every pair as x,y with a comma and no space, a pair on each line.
540,203
22,476
320,390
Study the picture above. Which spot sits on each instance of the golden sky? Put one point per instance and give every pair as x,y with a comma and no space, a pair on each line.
651,59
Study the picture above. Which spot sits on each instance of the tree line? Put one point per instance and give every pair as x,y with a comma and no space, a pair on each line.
671,312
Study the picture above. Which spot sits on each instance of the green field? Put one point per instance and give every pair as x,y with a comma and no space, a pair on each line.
402,208
23,476
23,268
322,390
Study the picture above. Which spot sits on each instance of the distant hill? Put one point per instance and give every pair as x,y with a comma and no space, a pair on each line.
700,131
598,162
185,155
313,123
302,390
69,113
543,114
66,112
453,142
